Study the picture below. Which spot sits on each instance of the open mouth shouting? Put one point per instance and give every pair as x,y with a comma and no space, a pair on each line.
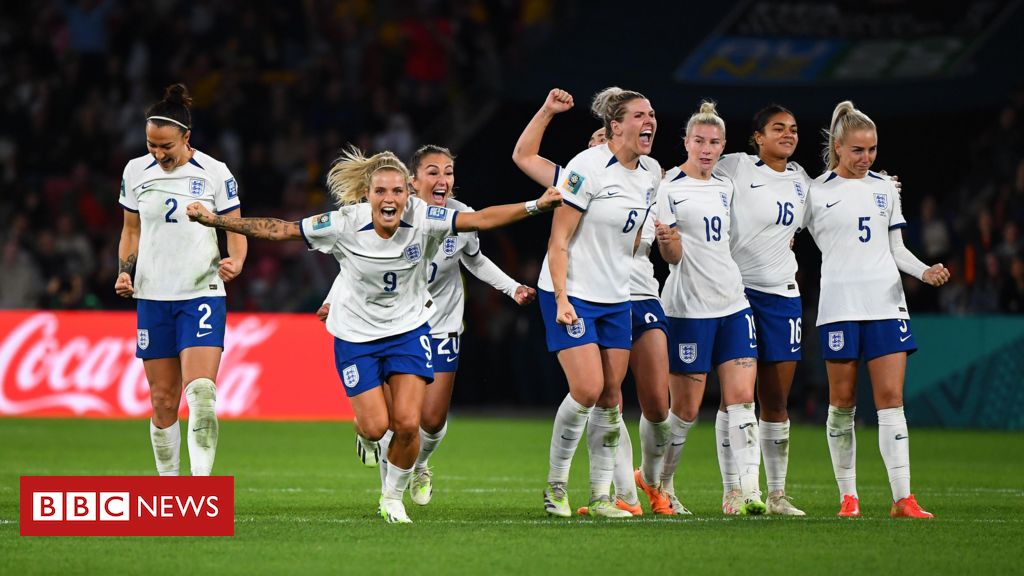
439,195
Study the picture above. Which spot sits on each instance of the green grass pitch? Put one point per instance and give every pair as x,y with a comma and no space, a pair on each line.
305,505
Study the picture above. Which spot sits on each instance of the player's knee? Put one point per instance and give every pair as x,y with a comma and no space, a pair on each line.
163,400
405,424
432,423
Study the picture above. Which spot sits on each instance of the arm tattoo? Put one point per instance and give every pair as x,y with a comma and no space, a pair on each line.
746,362
262,228
127,265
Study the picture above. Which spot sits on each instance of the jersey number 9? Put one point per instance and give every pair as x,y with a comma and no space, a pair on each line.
390,281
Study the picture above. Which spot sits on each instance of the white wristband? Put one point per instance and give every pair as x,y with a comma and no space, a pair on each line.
532,208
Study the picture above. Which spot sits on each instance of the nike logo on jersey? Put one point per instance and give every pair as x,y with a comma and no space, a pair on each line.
680,201
901,436
201,334
144,186
829,205
747,425
752,185
905,338
613,192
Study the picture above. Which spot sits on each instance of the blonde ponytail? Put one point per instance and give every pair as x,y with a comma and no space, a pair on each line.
845,118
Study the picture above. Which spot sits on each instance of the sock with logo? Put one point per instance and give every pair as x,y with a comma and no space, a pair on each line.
842,446
201,395
746,450
894,443
166,448
726,463
429,443
679,428
384,442
570,420
602,441
775,449
625,485
654,439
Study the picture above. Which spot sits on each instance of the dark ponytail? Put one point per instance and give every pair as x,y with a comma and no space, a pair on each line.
173,110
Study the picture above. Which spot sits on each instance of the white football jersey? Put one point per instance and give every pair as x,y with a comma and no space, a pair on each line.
850,222
615,202
382,288
445,282
178,259
767,209
706,283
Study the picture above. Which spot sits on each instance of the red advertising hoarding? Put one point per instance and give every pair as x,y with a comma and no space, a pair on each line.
83,364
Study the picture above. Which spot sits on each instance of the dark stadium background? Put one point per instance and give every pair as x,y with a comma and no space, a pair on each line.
280,87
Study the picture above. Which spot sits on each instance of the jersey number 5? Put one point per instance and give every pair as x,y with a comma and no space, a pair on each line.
864,228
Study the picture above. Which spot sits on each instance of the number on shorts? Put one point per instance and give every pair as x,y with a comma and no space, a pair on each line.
751,330
795,326
174,206
390,281
205,308
425,342
442,348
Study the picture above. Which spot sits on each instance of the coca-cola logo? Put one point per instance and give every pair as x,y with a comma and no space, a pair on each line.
43,370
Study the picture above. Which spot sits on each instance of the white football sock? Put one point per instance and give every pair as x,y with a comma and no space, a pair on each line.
385,443
625,484
396,481
654,440
602,442
203,429
570,420
166,448
894,443
746,450
775,449
429,443
677,440
726,462
842,446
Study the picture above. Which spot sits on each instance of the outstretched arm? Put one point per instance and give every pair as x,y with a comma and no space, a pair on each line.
262,228
526,154
505,214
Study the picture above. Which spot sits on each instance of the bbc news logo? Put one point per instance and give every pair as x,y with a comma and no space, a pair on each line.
127,506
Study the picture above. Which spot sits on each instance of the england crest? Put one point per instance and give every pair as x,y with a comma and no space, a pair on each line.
413,253
725,199
798,188
143,339
835,341
196,186
882,201
688,352
577,329
350,376
450,245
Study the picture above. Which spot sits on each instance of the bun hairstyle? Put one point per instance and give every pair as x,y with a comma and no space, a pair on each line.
845,118
349,178
173,110
706,115
610,105
761,119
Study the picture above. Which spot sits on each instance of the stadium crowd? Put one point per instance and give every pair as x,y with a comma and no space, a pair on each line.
280,87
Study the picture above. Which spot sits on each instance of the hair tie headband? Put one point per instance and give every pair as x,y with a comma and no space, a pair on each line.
165,118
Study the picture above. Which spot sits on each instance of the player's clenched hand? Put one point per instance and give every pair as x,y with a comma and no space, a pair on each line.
524,295
198,213
566,314
664,234
123,285
558,101
229,269
937,275
323,311
551,199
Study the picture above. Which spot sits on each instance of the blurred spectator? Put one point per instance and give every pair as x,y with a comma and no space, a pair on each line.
20,281
987,292
935,238
1014,301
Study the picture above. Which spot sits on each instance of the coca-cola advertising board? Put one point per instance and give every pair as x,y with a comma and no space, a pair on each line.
83,364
